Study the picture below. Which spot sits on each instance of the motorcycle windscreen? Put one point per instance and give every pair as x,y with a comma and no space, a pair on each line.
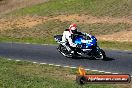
85,43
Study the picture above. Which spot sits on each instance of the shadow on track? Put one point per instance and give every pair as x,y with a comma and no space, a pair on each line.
77,58
108,59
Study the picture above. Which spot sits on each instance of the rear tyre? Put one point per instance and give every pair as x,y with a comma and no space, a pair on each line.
64,51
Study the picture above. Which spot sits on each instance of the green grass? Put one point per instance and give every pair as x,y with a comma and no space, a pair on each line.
27,75
114,8
115,45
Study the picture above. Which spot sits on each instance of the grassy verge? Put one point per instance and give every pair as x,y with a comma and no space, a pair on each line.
116,45
27,75
44,33
102,44
94,7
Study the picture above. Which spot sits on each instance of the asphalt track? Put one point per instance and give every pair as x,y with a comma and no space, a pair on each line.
118,61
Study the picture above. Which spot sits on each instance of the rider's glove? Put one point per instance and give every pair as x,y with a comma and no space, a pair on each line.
84,34
87,36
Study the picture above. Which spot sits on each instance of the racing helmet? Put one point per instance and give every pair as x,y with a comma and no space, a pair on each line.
73,28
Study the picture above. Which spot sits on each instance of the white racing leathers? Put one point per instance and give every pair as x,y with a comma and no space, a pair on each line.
67,38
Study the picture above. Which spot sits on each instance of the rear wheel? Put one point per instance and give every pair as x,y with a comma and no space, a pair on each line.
63,51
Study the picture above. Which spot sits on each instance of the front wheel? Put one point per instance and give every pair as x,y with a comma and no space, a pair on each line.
100,54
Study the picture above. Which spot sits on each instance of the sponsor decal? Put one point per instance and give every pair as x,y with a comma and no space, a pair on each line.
83,78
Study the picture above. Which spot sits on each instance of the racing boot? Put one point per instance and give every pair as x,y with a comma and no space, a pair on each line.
71,52
79,53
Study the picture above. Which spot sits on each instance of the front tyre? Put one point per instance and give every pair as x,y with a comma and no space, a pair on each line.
100,54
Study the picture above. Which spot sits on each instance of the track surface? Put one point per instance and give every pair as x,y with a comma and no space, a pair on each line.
119,61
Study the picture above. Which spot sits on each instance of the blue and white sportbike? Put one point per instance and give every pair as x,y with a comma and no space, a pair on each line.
86,47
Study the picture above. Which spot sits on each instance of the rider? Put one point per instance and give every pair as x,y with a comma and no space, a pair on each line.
68,37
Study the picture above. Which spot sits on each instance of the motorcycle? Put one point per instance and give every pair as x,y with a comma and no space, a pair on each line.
86,47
